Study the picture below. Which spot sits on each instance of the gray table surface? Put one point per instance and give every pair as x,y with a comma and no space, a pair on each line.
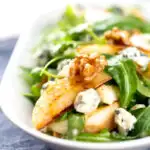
11,137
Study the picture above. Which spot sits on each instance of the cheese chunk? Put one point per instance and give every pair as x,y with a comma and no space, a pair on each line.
124,120
87,101
131,53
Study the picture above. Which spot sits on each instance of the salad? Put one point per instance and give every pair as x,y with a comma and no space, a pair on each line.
91,81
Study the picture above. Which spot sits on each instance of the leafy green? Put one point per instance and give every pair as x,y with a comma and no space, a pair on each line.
70,19
137,112
142,126
31,97
26,75
146,81
65,115
50,63
34,80
31,76
123,22
60,48
103,136
55,59
75,125
143,89
117,136
35,90
72,31
55,40
124,73
108,56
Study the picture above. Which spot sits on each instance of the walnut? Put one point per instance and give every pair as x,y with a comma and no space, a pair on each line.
116,36
84,68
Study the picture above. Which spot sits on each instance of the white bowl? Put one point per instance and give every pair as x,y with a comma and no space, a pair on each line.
18,109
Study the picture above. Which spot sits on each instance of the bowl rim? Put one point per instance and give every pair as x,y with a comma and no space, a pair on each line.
137,143
50,139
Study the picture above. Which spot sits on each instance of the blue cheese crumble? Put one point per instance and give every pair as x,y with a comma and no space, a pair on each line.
131,53
87,101
124,120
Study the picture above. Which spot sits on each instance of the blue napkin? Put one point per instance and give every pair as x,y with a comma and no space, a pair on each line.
11,137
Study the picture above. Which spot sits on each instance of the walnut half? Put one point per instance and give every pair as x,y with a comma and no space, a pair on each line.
116,36
85,68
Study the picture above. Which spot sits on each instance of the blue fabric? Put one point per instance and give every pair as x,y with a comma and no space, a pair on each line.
11,137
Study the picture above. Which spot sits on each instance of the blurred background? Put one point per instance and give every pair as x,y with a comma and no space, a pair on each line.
15,16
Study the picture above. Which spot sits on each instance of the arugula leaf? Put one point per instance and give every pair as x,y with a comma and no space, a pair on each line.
103,136
124,73
65,115
75,125
59,49
137,112
34,80
31,97
143,89
120,137
70,19
129,22
35,89
142,126
25,74
52,61
146,81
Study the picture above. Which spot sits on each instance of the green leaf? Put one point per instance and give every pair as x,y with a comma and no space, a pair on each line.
143,89
129,22
142,126
93,138
146,81
31,76
59,49
124,73
35,89
108,56
70,19
31,97
103,136
26,75
65,115
35,73
120,137
51,62
34,82
75,125
137,112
